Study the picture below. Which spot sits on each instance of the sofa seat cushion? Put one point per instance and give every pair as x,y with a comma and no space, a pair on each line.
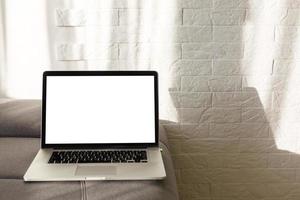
16,154
17,189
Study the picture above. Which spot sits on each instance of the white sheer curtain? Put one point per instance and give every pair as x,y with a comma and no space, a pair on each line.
25,47
2,47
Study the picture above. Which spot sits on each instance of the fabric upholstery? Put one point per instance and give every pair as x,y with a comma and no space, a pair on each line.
19,142
20,118
17,189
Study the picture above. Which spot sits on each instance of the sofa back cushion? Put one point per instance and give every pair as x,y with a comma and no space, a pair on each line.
20,118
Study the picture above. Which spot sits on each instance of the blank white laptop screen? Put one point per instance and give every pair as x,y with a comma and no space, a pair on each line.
100,109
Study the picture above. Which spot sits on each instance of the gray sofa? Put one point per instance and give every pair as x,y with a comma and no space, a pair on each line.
19,143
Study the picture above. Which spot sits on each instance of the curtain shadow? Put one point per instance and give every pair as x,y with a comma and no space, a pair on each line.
230,161
233,158
50,15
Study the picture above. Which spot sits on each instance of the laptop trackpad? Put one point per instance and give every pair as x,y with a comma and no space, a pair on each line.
95,170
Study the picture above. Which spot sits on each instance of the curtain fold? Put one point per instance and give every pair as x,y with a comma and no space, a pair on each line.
2,47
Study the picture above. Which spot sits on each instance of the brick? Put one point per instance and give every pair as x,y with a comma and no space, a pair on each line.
242,67
258,146
196,3
137,17
291,17
257,176
197,17
174,83
235,4
228,33
193,191
175,146
192,115
195,84
236,99
173,34
191,100
286,67
191,68
282,160
227,4
78,17
227,99
254,115
226,115
227,67
156,53
272,191
283,190
193,34
210,146
84,52
238,175
198,51
239,130
229,17
298,175
229,160
229,51
187,131
207,84
186,161
239,190
212,50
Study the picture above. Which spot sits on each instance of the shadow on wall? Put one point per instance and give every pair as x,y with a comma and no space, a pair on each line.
237,160
233,137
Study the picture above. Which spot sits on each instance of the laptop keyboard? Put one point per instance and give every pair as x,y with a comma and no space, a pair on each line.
121,156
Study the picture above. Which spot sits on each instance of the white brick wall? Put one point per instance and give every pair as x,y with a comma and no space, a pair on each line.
230,69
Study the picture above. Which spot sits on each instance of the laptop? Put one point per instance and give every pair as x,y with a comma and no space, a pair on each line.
98,125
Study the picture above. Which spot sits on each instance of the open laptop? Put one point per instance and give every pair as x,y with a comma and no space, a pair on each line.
98,125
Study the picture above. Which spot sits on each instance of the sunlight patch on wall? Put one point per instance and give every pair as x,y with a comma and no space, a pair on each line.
26,39
287,102
164,55
259,48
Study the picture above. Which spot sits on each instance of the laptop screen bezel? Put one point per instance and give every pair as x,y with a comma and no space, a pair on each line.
99,145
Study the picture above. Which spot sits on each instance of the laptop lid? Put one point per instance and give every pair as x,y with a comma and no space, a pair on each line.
100,109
